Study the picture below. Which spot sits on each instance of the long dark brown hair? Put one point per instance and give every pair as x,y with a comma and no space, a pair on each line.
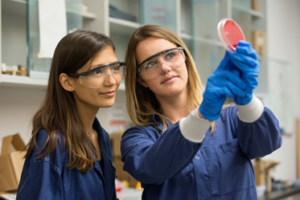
58,111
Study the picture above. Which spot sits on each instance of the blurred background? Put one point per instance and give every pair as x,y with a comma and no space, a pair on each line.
30,30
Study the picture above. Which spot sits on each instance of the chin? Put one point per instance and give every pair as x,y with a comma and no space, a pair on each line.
107,104
174,93
176,89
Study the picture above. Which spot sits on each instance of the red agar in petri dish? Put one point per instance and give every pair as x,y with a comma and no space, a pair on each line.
230,33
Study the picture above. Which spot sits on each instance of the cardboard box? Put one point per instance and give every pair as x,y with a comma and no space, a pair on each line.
120,173
259,41
259,170
262,173
132,182
115,142
254,5
11,163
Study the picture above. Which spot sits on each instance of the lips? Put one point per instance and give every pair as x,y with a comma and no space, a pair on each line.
168,78
108,93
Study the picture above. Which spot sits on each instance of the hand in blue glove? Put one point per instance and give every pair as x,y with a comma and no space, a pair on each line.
246,61
222,83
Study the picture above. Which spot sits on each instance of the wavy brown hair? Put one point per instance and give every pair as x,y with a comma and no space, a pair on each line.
58,111
141,102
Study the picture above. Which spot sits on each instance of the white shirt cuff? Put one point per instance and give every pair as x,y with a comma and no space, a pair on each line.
193,128
252,111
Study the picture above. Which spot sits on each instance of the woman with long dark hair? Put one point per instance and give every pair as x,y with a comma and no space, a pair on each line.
69,154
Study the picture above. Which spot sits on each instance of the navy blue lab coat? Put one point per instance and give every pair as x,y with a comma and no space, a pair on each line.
49,177
219,168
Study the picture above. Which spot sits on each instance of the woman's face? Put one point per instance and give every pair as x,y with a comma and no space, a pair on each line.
170,78
97,90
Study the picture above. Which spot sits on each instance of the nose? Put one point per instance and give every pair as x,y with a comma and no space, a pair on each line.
164,68
109,78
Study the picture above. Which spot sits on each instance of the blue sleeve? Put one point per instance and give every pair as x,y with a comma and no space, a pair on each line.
41,178
151,158
261,137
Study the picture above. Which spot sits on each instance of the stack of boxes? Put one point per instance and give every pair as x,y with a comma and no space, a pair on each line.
115,139
259,42
258,37
11,162
262,173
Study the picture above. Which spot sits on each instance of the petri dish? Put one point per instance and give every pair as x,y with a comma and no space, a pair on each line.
230,33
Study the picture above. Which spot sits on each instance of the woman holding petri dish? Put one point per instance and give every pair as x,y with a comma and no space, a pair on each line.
69,155
185,144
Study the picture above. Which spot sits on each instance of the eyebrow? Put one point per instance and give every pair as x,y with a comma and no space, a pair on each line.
157,54
101,64
76,75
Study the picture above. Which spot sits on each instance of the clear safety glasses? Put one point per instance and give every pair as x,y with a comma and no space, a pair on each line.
151,67
94,78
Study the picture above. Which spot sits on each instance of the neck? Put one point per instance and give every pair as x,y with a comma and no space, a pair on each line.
87,116
174,108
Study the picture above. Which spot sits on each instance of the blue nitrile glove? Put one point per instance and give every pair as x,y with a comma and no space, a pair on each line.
246,61
222,83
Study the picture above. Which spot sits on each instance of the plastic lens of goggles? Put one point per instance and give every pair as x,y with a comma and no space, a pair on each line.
96,78
152,68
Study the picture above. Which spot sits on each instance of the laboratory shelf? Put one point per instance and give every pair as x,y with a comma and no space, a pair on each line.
253,13
185,36
29,82
14,7
22,82
85,15
18,8
208,41
122,27
201,40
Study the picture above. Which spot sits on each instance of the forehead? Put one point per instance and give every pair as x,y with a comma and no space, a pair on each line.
151,46
105,56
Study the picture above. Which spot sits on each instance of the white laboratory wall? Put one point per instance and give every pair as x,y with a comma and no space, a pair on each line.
283,43
17,107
